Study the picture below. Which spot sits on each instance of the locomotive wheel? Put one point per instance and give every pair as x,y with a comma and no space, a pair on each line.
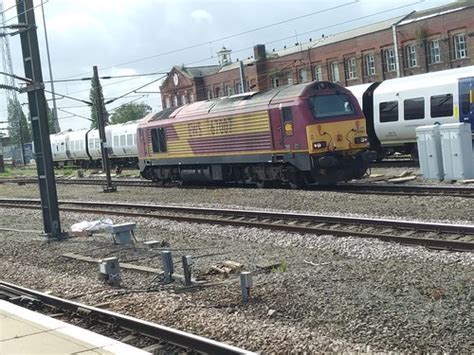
261,184
299,181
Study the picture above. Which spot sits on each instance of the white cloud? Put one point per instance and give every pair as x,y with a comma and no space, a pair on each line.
201,16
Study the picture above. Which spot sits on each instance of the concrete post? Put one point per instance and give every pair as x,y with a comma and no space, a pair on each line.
187,269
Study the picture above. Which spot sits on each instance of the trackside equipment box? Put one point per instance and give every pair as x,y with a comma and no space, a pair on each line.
428,141
456,144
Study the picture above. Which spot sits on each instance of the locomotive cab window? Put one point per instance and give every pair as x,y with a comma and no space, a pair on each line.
287,121
388,111
158,140
333,105
414,109
442,105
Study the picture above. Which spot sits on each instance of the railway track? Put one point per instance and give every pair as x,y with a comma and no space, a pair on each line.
395,163
441,236
358,188
152,337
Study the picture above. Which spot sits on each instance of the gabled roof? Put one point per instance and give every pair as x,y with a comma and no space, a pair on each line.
198,72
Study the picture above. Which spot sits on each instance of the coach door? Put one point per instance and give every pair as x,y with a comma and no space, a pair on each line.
466,101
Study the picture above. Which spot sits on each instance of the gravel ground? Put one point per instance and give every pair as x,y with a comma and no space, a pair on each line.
329,294
427,208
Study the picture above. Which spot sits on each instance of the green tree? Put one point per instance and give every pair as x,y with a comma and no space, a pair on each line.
17,122
96,87
52,129
130,112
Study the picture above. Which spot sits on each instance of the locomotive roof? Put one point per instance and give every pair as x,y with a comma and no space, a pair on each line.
242,102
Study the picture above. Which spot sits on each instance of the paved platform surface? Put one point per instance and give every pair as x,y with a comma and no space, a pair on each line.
26,332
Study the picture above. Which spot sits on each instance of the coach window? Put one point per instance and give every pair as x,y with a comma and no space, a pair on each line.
129,139
158,140
388,111
287,121
414,109
441,105
116,141
466,103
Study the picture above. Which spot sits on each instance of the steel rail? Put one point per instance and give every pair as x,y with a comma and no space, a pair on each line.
249,218
148,329
358,188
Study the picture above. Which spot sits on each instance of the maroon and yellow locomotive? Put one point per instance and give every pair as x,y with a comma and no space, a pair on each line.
301,134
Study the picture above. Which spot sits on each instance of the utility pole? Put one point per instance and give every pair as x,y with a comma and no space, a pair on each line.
39,119
103,139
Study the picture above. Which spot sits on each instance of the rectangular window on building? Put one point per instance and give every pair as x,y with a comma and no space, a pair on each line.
275,82
183,99
318,72
414,109
435,53
302,75
389,57
460,50
411,55
167,102
369,64
289,78
441,105
351,69
388,111
335,72
209,94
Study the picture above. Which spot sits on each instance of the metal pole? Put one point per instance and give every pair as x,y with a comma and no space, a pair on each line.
168,268
246,284
39,119
395,48
242,77
55,109
22,143
103,139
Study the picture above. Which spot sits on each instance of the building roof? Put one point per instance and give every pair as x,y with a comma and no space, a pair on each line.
198,72
436,11
338,37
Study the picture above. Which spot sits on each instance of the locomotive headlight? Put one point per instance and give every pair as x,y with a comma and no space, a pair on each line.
361,140
319,145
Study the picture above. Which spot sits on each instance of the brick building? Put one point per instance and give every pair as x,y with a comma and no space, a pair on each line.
430,40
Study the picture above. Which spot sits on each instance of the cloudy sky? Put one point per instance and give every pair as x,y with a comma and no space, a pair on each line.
127,37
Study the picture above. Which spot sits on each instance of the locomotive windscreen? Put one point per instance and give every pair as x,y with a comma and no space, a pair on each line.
333,105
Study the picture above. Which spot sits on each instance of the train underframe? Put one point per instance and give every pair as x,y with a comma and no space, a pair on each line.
322,170
127,162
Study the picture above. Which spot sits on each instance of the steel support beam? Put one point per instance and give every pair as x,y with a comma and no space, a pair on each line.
39,119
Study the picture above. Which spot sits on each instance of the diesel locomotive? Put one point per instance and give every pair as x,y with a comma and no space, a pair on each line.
312,133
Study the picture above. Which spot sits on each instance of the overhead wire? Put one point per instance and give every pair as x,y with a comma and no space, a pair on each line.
225,37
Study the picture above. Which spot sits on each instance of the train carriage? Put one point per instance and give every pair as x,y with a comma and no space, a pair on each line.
307,133
395,108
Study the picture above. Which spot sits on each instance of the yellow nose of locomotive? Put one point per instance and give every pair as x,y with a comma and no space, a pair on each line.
339,136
